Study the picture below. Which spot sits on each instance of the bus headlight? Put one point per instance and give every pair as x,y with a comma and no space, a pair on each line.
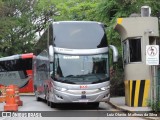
60,89
104,88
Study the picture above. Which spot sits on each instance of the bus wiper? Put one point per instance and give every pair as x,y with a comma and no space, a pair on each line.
100,80
70,76
64,81
69,82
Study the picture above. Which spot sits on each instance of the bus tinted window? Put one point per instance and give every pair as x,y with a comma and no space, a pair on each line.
16,65
79,35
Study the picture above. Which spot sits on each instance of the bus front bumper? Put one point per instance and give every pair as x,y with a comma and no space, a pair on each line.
65,97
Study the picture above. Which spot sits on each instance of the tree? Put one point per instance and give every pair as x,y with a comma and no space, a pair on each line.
76,10
108,11
20,20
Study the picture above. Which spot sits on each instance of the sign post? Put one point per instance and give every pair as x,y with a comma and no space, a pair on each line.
152,58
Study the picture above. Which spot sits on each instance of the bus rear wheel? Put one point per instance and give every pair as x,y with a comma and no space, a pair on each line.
38,98
47,97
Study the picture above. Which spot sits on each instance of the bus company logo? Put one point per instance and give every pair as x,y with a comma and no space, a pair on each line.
60,49
83,92
64,49
83,86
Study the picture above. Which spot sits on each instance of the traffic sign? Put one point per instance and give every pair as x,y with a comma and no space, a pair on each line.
152,55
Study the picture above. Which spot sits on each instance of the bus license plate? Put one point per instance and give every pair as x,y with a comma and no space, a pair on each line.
83,100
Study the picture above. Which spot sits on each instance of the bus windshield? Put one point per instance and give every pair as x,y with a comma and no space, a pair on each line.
81,69
14,71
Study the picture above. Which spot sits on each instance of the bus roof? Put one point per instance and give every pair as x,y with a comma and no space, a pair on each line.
92,22
78,34
18,56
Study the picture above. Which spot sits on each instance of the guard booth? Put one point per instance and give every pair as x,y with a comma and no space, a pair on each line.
137,32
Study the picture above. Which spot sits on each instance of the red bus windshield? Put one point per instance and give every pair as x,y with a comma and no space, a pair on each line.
17,70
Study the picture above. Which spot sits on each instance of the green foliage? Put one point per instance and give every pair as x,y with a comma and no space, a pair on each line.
76,10
155,105
106,11
20,20
117,83
109,10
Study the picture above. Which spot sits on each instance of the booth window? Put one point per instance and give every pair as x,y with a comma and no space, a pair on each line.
135,49
132,50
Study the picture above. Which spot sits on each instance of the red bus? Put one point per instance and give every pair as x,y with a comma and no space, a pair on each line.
17,70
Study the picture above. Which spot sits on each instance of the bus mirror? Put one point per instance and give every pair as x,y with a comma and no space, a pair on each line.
115,53
51,53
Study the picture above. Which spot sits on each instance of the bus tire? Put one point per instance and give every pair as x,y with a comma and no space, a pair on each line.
47,97
95,104
48,103
53,105
38,98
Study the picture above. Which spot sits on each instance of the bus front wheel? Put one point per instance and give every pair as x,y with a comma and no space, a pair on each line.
53,105
95,104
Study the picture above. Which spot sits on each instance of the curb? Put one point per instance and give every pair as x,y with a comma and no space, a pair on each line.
117,107
125,110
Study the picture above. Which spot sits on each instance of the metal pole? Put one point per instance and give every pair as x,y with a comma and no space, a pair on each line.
151,85
154,83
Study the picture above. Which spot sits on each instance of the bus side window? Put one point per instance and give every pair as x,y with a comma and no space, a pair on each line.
51,70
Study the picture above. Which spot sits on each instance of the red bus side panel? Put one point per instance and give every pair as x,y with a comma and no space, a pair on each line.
28,88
